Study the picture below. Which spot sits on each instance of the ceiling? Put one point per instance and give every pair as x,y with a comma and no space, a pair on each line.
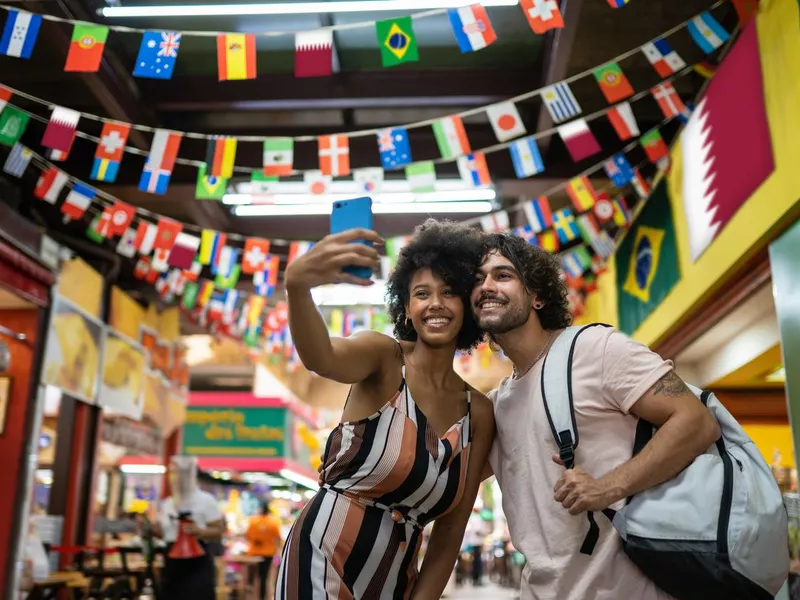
740,351
360,94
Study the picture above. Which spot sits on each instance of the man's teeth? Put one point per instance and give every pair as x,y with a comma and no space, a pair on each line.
491,304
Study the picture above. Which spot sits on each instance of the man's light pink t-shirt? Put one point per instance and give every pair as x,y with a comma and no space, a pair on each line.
610,373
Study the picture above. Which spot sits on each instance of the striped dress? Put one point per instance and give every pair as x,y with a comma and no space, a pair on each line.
384,478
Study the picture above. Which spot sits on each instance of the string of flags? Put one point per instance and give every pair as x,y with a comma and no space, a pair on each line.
236,52
214,172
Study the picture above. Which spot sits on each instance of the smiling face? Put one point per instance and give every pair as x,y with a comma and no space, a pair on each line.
435,309
499,300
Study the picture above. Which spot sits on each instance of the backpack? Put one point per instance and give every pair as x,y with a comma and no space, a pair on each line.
718,530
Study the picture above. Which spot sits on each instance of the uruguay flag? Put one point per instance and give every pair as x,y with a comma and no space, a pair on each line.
526,157
19,33
707,32
472,27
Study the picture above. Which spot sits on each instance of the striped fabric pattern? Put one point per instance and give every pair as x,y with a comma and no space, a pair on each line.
385,477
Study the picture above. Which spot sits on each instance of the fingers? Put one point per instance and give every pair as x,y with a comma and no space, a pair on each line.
353,259
352,279
352,235
557,460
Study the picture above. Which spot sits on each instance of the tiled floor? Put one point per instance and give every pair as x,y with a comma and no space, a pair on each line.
486,592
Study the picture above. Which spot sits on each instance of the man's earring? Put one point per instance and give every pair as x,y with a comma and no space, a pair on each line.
538,306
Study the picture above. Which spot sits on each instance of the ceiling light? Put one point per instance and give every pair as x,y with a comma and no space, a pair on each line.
391,198
288,8
408,208
311,484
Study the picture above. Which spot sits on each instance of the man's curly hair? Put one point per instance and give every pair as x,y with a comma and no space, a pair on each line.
540,274
451,251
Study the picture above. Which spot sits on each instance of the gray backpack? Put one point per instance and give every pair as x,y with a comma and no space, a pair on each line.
718,530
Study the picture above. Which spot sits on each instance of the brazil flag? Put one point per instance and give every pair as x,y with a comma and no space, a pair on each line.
397,41
209,187
647,261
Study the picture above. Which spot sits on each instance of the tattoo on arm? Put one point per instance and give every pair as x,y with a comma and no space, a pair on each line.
670,385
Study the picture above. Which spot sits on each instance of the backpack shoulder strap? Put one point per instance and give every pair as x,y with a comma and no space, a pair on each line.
557,392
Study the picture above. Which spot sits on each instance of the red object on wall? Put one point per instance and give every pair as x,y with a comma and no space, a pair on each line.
12,442
30,281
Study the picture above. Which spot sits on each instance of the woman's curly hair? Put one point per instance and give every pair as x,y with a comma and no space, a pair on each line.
451,251
540,274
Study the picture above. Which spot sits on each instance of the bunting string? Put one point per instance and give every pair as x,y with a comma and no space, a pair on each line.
374,131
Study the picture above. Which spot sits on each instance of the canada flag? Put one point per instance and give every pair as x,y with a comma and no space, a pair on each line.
727,149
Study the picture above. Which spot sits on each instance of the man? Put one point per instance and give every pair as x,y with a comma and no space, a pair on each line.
264,538
520,300
188,578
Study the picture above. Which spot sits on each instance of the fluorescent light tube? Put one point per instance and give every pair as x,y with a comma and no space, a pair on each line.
299,479
390,198
143,469
288,8
293,210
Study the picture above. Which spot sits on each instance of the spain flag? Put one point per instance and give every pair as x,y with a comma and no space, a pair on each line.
236,56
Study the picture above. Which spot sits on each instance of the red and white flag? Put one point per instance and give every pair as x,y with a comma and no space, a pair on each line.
313,53
506,122
668,100
145,237
579,139
120,218
542,15
5,95
317,182
254,257
50,184
334,155
623,121
61,129
184,251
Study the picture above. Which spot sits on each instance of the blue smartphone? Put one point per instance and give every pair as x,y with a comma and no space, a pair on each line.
353,214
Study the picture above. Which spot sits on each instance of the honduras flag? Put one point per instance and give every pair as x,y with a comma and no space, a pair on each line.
19,33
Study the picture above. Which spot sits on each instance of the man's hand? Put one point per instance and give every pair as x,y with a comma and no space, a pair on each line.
192,529
579,492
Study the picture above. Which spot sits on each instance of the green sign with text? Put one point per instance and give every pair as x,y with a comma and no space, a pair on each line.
240,432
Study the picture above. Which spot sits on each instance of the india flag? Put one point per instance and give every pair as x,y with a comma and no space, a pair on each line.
451,137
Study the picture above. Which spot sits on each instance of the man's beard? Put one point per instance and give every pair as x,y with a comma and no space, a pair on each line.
514,316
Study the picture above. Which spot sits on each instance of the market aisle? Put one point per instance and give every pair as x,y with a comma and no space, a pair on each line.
486,592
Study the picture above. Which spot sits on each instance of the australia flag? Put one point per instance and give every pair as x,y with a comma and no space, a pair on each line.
619,170
394,148
157,55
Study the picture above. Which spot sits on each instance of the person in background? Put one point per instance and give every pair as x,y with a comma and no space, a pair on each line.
414,436
264,538
474,538
520,299
188,578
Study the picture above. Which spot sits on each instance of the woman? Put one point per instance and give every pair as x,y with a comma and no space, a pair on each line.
263,536
414,436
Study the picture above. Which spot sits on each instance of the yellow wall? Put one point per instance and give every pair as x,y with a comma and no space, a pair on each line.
82,285
773,205
770,438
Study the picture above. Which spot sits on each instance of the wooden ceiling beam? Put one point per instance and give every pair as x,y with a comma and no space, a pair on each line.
379,89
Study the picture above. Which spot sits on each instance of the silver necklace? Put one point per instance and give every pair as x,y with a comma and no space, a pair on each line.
517,374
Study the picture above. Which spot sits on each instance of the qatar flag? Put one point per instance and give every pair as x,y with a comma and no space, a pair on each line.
579,139
727,150
61,129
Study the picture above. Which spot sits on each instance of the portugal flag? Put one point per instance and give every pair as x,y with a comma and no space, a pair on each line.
86,48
